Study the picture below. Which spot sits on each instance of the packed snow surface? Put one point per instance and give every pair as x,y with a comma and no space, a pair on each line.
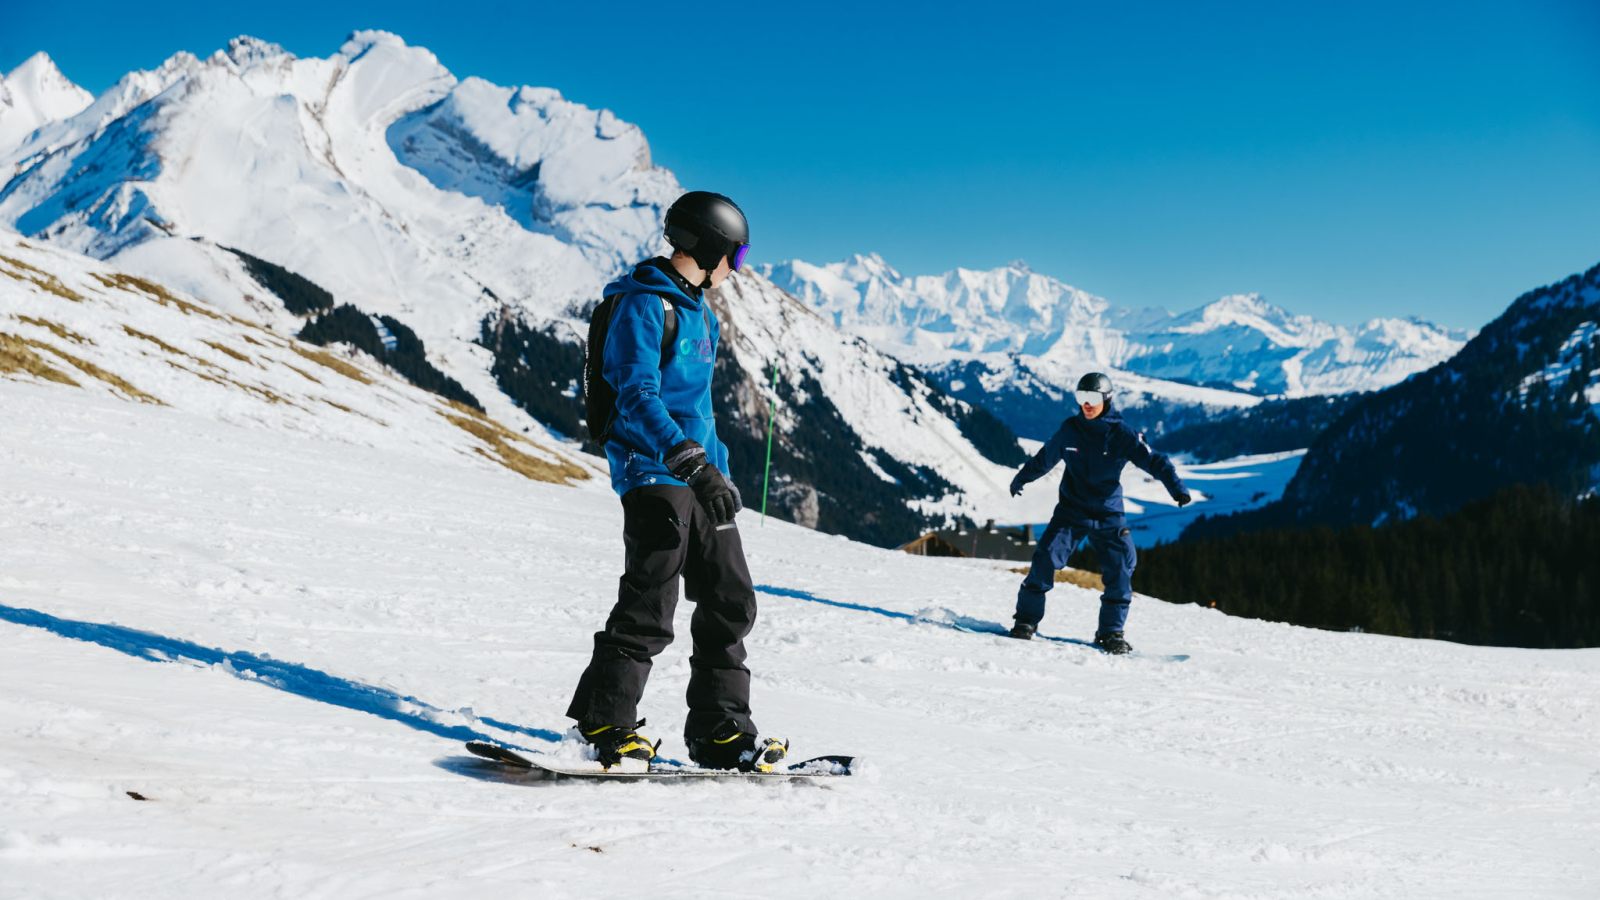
281,639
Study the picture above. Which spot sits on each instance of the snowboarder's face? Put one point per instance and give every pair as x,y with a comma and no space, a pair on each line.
721,272
1091,411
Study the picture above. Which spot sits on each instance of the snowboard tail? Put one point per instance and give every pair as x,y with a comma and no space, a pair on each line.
819,767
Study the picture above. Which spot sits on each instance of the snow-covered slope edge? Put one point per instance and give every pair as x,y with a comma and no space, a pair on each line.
69,320
280,644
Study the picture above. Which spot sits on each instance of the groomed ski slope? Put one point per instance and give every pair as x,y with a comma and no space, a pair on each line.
281,640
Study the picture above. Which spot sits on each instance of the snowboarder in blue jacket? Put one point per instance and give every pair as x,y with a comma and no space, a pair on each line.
1095,445
657,354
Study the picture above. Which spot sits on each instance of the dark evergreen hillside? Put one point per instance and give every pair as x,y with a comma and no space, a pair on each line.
1519,568
1273,426
1459,431
300,295
539,371
346,324
992,437
820,479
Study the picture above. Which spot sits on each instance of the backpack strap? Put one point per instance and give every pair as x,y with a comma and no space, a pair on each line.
669,328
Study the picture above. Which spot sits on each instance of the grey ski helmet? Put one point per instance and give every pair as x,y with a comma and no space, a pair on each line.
707,227
1095,381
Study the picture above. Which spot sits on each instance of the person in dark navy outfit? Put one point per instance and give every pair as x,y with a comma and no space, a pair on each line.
1094,444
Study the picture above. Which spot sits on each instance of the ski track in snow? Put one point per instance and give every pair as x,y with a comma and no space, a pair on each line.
281,639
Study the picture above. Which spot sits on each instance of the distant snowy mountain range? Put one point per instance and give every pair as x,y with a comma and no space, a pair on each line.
1013,325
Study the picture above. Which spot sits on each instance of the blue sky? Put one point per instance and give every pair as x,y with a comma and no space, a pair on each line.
1348,161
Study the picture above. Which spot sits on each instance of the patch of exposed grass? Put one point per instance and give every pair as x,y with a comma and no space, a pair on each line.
250,340
95,372
499,439
226,382
261,392
323,358
156,292
134,332
16,357
57,330
302,373
226,350
39,278
188,371
1077,577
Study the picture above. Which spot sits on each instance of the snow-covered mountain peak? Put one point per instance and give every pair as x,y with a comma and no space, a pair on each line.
34,94
245,52
1250,311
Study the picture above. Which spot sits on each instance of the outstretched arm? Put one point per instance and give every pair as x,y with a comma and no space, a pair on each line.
1042,462
1159,465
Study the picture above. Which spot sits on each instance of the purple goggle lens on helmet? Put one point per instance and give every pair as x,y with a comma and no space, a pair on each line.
739,255
1089,398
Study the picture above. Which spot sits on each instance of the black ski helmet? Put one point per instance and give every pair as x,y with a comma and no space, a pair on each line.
707,227
1095,381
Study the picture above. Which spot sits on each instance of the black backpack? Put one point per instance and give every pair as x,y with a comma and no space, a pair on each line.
599,397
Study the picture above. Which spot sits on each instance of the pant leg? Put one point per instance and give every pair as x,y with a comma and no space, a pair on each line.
1113,546
717,578
1055,547
655,541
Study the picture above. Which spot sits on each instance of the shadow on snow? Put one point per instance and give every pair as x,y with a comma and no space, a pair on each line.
292,678
938,615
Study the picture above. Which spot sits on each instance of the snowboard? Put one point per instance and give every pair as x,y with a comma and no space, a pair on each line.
997,631
660,770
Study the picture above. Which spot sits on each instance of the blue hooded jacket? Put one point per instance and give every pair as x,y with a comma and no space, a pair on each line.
658,406
1095,450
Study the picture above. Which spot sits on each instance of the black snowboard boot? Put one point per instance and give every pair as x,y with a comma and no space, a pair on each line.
1112,642
730,748
1022,631
614,743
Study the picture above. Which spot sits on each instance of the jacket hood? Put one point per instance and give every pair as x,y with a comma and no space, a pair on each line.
648,276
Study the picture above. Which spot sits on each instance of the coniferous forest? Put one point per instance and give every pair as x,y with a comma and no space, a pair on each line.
1519,568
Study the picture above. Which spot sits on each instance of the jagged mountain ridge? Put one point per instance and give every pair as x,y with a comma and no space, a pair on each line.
1239,342
453,206
33,94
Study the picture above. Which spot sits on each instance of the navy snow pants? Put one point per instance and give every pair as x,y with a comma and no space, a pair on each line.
1112,543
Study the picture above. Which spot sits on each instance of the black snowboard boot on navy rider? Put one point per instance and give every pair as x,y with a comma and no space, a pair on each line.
1112,642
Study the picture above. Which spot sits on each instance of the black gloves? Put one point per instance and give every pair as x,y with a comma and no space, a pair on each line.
1016,487
1183,500
687,462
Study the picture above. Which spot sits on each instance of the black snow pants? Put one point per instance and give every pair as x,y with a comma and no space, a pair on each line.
666,533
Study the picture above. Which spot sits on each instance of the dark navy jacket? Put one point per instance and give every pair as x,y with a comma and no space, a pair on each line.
658,406
1095,450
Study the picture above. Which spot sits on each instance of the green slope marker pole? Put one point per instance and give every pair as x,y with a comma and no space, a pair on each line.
772,414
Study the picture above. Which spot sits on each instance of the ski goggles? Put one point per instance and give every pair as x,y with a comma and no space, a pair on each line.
1089,398
737,259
